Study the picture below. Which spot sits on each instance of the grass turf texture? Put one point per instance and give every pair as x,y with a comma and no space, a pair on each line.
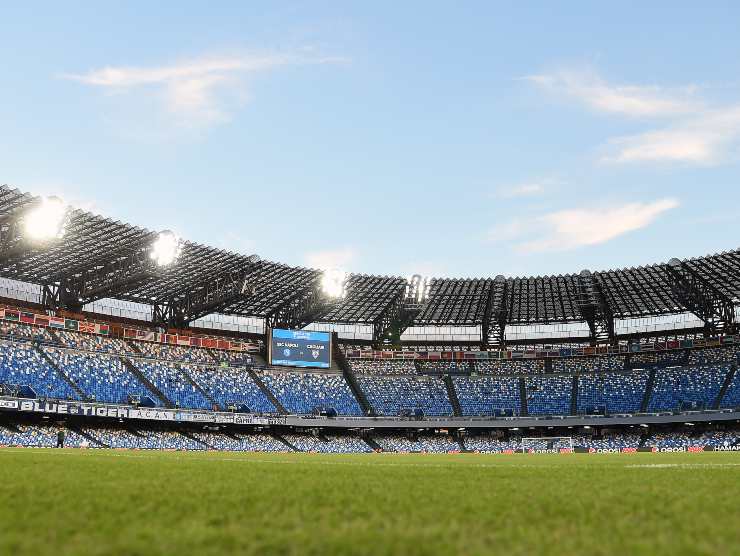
130,502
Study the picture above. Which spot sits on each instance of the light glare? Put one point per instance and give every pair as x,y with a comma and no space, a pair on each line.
47,220
333,283
166,248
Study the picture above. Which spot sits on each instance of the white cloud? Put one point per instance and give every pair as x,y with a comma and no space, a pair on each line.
630,100
708,138
569,229
521,190
696,132
331,258
196,92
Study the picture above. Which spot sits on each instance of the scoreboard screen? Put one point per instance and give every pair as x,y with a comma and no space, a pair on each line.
300,348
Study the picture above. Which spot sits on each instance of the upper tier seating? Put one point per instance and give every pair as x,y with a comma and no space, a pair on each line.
103,378
612,392
172,382
235,358
446,367
676,387
510,367
304,392
174,353
549,395
391,395
707,356
732,396
658,358
488,395
22,365
231,386
92,342
16,330
583,365
383,367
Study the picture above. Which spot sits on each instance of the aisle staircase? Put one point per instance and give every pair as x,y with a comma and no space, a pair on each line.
146,382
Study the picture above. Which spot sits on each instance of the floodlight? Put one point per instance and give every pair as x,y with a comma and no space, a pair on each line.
417,288
333,282
46,221
166,248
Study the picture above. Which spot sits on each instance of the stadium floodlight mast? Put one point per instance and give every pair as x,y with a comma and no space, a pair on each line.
166,248
46,221
334,282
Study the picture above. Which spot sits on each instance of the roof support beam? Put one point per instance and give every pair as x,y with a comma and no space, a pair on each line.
212,296
300,309
702,298
496,316
595,309
399,313
392,322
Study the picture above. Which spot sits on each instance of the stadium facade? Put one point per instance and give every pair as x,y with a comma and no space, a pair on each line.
128,337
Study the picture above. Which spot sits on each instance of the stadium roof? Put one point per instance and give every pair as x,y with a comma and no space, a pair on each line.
102,258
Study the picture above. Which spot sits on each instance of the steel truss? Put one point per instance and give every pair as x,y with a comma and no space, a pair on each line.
98,257
595,310
702,298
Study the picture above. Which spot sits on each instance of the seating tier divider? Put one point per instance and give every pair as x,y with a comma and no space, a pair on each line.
65,377
198,387
725,385
452,394
282,439
351,379
648,392
133,369
267,392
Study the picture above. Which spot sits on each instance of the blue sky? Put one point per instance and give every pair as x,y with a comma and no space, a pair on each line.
391,138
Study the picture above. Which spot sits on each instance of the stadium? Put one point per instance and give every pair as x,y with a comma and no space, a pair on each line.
345,278
118,338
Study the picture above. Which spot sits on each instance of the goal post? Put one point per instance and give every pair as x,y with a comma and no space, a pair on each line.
548,445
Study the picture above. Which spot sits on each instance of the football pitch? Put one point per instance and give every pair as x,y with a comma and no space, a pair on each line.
139,502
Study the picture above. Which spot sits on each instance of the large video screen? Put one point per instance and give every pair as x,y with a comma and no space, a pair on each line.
300,348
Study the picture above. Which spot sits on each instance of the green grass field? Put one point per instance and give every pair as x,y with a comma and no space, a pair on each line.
113,502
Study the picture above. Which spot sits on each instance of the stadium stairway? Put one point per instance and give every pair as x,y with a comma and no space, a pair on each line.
54,336
523,412
198,387
279,438
146,382
725,386
648,392
72,384
574,396
93,441
197,440
370,442
351,379
452,395
267,392
461,442
133,346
